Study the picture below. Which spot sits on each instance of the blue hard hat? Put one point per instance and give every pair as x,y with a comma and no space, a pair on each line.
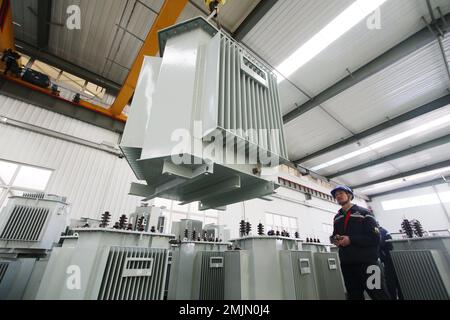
342,188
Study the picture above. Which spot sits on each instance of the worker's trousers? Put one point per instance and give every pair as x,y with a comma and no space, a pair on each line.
356,278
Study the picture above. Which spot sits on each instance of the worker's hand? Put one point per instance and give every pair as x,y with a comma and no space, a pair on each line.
344,241
336,239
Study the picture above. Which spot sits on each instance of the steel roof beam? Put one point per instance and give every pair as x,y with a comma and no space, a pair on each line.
413,187
426,108
421,147
253,18
415,42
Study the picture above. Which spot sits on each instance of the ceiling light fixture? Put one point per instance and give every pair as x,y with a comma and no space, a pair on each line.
349,18
377,145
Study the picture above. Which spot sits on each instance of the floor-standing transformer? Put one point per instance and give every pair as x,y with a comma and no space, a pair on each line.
422,266
198,271
107,264
30,227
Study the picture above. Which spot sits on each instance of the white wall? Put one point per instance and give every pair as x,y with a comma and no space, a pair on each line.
94,181
432,217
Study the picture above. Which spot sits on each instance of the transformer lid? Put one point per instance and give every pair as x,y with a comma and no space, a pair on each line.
188,25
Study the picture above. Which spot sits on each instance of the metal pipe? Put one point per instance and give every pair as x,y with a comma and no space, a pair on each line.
439,36
58,135
442,204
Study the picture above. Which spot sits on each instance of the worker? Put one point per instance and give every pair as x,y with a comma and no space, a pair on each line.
392,283
213,6
357,236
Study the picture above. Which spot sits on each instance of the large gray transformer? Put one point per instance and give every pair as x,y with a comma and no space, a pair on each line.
198,271
205,120
255,268
30,226
422,266
279,268
105,264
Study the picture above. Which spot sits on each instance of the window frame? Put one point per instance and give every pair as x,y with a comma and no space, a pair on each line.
7,189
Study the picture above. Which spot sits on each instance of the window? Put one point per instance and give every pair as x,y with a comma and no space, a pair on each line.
418,201
177,212
176,217
279,223
67,80
16,178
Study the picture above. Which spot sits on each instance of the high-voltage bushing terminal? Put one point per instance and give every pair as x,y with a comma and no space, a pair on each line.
242,228
417,228
260,229
407,228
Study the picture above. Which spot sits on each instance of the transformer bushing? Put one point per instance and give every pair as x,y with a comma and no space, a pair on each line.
248,228
242,228
407,229
106,217
417,228
260,229
123,221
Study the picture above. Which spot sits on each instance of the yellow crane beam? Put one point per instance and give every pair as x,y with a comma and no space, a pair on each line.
168,15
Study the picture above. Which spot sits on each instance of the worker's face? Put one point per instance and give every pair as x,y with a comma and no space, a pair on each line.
342,197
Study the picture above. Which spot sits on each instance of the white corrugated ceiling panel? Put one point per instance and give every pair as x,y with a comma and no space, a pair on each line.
305,133
289,96
400,145
289,24
24,15
373,173
363,158
399,19
401,183
108,40
411,162
432,133
406,85
292,23
423,158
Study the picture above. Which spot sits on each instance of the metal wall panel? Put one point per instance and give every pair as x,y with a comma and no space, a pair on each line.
291,23
414,140
24,16
93,181
134,274
247,103
421,274
25,224
312,131
411,82
108,40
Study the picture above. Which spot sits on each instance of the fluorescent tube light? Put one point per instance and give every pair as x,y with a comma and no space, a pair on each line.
349,18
